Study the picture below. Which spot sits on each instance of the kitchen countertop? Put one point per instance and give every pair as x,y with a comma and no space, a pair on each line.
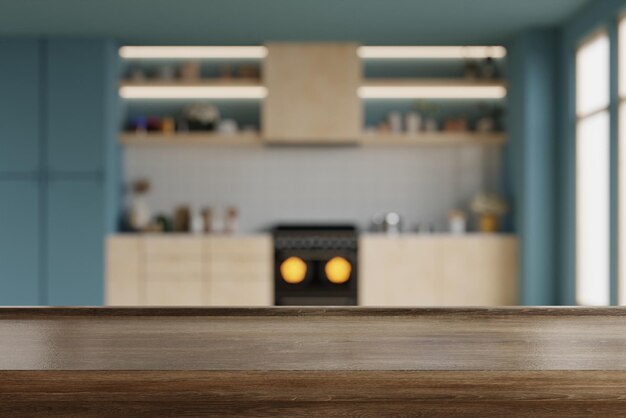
288,361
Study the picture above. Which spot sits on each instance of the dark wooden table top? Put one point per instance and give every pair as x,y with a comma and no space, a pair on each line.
312,339
312,362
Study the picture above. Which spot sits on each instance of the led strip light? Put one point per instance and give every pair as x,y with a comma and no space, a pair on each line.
432,52
193,92
432,92
191,52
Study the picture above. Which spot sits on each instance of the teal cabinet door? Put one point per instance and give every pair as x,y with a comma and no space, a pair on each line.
76,104
19,105
19,242
75,242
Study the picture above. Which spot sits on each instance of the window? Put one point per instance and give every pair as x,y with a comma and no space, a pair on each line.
592,172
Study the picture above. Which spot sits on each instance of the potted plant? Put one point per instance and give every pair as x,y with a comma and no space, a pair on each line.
489,208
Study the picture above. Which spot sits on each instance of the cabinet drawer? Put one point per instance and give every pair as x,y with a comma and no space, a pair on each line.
173,257
183,268
173,248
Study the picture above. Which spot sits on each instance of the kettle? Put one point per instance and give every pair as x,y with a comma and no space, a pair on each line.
389,223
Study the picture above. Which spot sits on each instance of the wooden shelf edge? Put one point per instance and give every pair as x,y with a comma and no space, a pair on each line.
203,82
192,138
435,138
255,139
430,82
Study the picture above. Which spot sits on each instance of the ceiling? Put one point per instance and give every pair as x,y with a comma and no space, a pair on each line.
256,21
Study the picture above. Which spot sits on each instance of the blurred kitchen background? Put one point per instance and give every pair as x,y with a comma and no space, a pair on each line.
235,153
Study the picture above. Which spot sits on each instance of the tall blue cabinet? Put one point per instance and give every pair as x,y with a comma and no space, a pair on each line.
20,172
58,177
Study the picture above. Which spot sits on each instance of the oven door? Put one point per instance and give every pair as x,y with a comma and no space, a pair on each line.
315,277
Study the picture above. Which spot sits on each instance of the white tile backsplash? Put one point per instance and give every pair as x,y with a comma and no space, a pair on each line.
316,184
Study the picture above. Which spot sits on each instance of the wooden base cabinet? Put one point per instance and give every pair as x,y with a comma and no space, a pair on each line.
438,270
181,270
241,271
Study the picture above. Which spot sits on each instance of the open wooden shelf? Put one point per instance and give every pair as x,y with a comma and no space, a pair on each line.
255,139
191,138
430,82
432,88
203,82
434,138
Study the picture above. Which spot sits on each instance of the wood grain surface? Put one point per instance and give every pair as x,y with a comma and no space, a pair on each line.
367,394
312,362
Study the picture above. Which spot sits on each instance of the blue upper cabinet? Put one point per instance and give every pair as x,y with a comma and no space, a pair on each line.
19,242
19,105
74,232
77,104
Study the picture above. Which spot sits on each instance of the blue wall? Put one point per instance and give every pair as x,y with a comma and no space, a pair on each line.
533,71
57,169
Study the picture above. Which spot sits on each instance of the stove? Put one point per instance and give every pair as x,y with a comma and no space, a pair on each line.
315,265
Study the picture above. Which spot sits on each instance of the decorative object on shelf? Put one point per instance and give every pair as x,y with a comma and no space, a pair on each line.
471,70
226,72
197,224
485,124
201,117
455,125
182,219
388,223
395,122
457,221
488,69
489,208
164,222
413,122
431,125
392,224
207,216
139,125
168,126
490,120
425,228
231,221
166,72
190,71
228,127
430,111
139,214
181,124
383,127
376,224
249,71
251,129
137,74
153,124
370,130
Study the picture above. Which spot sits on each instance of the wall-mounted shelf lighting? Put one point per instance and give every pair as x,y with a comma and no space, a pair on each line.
431,91
193,92
193,52
431,52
